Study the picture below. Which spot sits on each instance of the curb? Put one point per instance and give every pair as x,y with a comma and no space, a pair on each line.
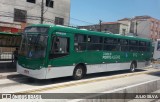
145,87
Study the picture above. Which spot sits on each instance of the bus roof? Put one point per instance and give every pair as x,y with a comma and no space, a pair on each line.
88,32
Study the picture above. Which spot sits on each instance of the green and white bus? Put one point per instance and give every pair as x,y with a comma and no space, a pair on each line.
52,51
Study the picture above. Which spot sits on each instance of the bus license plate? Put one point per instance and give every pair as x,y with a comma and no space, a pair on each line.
26,71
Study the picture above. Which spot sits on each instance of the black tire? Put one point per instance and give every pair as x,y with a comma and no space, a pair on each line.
78,72
132,67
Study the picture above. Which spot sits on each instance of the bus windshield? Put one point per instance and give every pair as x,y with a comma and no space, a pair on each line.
33,45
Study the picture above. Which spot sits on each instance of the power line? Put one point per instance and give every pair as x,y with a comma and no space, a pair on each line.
50,12
71,18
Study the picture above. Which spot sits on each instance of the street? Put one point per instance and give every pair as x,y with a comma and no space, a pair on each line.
108,82
96,82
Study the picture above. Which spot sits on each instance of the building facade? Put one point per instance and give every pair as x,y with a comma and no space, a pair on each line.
115,27
111,27
143,26
16,14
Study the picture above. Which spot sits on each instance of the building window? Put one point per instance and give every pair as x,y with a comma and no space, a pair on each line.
156,25
152,24
49,3
156,33
59,21
31,1
151,32
20,15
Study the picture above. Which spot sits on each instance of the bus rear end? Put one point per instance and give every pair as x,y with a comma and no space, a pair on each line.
32,53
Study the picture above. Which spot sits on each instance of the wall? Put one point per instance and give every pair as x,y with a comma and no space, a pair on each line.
143,29
124,26
115,28
61,9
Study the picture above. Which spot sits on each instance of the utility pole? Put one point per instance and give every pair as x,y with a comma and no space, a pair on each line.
136,28
100,25
42,11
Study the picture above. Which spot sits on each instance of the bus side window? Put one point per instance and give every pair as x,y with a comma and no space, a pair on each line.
142,46
133,46
60,47
80,42
95,43
124,44
56,45
111,44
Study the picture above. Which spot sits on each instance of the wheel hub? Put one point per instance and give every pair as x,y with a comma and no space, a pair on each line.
79,72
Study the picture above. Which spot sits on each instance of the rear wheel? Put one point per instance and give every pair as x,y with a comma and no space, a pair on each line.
78,72
132,67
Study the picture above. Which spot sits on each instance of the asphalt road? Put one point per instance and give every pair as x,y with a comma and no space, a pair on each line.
94,83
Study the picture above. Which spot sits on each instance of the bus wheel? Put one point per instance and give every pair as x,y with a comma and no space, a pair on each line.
132,67
78,72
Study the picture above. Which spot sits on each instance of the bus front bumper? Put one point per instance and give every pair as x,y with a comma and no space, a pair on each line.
37,74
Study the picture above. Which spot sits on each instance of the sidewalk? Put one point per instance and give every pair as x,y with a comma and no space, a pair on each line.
7,69
9,75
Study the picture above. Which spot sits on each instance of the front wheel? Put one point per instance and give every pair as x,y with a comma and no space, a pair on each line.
78,72
132,67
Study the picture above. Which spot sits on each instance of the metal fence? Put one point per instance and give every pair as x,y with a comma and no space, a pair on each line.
7,56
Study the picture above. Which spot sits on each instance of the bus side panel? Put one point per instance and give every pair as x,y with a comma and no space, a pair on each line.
56,72
107,67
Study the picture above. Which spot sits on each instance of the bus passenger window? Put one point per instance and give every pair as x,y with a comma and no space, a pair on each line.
60,47
133,46
111,44
56,45
80,42
142,46
95,43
